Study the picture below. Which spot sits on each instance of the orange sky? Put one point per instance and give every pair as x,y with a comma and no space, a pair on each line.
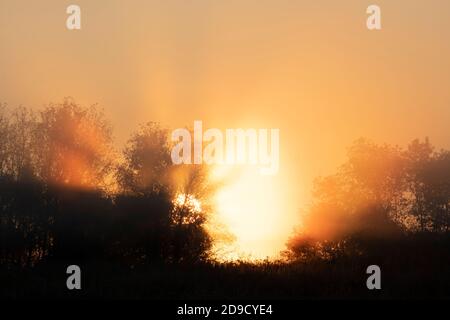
309,68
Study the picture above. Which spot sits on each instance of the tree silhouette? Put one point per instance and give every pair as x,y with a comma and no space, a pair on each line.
380,192
148,173
75,145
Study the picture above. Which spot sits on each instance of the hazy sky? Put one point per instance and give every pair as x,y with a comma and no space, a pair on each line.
309,68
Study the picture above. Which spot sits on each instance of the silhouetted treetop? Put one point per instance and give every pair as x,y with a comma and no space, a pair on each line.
381,191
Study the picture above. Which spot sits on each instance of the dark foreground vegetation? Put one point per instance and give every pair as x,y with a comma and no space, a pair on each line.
132,222
418,270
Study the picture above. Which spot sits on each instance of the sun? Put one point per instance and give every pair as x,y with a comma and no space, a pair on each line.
250,206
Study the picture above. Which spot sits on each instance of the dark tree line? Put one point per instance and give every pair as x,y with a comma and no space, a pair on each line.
67,195
381,193
137,225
